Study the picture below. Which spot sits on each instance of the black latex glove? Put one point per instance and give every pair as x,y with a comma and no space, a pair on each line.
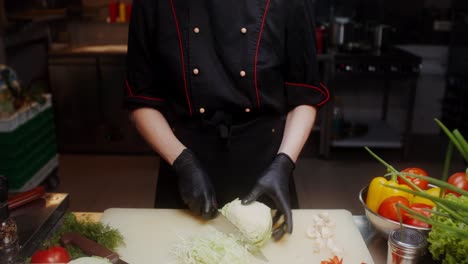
195,186
274,182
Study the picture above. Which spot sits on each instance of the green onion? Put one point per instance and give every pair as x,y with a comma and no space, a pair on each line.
389,167
459,232
447,162
434,181
459,141
463,144
432,198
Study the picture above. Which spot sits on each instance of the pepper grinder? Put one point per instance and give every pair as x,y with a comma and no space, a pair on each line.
9,246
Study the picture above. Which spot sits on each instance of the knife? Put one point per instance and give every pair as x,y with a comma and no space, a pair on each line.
222,224
90,247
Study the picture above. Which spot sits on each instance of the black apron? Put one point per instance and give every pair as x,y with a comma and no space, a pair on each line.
234,151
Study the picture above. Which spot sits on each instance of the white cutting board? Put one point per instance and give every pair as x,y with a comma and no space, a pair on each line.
150,235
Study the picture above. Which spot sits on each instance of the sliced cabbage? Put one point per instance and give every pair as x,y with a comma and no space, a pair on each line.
213,247
90,260
253,221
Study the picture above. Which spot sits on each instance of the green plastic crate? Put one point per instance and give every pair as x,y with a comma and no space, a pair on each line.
14,145
22,171
27,144
27,129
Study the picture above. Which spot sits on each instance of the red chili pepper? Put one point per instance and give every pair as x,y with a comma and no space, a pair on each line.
334,260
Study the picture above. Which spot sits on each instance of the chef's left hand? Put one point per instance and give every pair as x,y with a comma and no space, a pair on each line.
274,182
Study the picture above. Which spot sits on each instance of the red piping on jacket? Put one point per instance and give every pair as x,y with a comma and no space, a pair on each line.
256,51
326,93
181,57
129,89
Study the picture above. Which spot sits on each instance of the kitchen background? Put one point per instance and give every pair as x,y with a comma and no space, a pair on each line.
392,66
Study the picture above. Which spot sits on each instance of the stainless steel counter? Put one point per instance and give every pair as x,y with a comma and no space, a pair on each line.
377,243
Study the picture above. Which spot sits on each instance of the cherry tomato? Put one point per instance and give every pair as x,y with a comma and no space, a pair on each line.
418,207
54,254
389,210
421,183
459,180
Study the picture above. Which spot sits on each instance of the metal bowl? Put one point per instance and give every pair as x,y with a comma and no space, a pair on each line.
384,225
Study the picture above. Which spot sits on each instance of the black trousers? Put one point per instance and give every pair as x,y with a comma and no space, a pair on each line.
233,152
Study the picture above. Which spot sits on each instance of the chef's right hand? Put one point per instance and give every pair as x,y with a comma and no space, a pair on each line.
195,186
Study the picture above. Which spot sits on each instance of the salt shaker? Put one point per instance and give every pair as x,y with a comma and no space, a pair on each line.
406,246
9,246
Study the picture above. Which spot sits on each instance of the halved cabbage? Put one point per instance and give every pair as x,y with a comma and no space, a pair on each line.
253,221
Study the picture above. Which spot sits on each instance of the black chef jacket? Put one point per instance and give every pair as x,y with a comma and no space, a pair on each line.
250,60
193,57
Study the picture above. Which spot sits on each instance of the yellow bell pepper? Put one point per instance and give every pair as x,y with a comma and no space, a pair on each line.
432,191
377,192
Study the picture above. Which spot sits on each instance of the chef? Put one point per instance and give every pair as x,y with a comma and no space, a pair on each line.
226,92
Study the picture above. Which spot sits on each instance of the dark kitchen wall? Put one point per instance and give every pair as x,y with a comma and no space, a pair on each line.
16,5
414,21
455,102
406,17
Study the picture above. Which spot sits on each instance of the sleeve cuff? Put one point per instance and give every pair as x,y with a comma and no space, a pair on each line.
306,94
132,100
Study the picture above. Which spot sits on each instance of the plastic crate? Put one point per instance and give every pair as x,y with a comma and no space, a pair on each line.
27,144
23,171
24,115
46,171
14,144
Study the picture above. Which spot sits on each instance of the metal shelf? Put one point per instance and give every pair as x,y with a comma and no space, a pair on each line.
387,66
379,135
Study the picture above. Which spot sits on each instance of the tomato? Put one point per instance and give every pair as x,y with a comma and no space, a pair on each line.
54,254
389,210
421,183
418,207
459,180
